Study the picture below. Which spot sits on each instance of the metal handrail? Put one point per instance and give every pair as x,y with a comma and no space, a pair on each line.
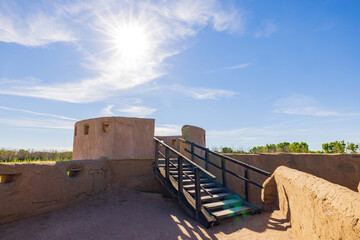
185,158
230,172
255,169
191,179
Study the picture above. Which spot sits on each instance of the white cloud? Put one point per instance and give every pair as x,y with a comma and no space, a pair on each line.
167,130
37,123
26,118
267,29
106,111
137,111
203,93
164,24
240,66
33,30
302,105
38,113
243,65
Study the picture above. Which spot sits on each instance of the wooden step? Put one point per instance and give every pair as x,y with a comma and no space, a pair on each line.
215,197
185,165
205,185
202,180
235,202
184,176
186,171
230,212
210,190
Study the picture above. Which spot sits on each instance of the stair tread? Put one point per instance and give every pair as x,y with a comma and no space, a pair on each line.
202,180
205,185
214,197
230,212
219,189
214,205
186,171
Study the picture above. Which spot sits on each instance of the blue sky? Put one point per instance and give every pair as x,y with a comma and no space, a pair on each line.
249,72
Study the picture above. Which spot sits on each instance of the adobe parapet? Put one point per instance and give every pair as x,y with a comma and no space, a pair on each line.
114,138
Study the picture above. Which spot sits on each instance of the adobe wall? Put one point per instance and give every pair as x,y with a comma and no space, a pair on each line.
196,135
32,188
127,144
316,208
172,141
342,169
114,138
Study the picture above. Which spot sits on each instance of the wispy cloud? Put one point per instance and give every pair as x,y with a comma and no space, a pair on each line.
107,111
203,93
38,113
303,105
240,66
32,119
267,29
164,25
37,123
167,130
33,30
137,111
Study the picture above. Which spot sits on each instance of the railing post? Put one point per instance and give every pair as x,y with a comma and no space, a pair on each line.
167,164
223,173
206,158
246,185
192,152
156,155
180,177
197,193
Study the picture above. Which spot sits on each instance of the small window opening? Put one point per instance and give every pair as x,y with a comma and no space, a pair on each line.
75,131
7,178
174,142
105,127
86,129
73,172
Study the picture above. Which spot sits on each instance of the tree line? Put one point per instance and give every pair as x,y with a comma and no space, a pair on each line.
296,147
7,155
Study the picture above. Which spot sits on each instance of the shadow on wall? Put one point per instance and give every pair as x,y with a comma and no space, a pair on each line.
316,208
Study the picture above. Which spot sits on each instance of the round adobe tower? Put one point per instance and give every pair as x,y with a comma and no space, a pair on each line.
114,138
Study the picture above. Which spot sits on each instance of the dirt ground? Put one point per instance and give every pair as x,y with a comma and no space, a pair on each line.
138,215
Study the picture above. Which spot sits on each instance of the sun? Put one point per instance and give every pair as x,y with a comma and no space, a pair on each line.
131,42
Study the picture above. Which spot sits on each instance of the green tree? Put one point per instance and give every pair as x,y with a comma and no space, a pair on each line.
282,147
296,147
334,147
227,150
352,147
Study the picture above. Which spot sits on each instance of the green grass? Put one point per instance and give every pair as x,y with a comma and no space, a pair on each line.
38,160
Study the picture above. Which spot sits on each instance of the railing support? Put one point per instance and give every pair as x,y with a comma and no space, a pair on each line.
223,173
197,193
192,152
206,158
246,185
180,177
167,164
156,155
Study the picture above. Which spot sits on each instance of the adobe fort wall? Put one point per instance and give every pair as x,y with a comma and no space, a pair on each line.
342,169
31,188
316,208
114,138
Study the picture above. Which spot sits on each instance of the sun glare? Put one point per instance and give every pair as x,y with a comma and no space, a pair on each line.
131,42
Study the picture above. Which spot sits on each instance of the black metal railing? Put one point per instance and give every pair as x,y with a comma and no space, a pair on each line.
223,168
179,167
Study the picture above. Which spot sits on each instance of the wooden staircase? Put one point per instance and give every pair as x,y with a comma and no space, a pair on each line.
198,192
222,203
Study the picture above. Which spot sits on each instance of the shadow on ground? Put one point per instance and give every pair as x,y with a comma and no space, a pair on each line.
137,215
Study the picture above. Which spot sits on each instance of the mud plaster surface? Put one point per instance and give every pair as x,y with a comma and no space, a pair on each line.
137,215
